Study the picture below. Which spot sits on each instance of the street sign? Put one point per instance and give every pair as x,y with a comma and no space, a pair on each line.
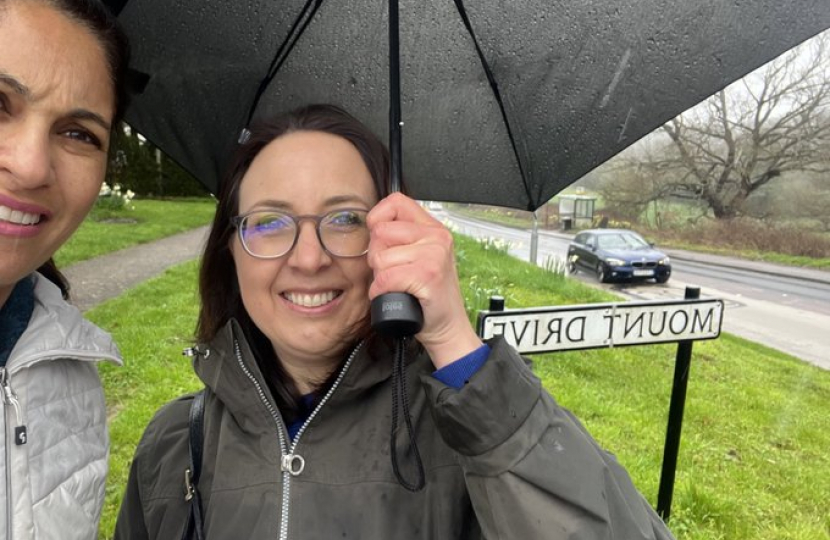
591,326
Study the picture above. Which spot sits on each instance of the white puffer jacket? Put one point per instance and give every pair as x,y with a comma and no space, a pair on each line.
52,475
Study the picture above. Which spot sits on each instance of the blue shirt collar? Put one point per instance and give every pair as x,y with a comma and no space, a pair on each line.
15,315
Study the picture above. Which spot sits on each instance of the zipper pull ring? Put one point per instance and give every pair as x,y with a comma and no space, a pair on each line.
193,352
20,433
293,464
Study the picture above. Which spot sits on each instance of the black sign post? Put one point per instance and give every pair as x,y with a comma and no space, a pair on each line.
682,365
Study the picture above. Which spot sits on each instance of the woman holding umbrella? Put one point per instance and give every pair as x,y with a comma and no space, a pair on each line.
297,437
62,66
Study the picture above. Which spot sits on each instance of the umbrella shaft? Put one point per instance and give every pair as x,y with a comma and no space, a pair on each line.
395,123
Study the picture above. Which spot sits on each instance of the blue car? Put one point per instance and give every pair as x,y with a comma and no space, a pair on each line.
617,255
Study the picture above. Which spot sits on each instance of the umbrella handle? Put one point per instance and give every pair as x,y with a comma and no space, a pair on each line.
397,314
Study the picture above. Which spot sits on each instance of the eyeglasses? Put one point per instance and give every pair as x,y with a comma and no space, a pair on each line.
269,234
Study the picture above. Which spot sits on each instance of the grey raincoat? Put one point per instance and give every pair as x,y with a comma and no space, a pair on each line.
502,460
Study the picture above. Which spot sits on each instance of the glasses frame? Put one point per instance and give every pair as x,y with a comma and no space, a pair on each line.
237,221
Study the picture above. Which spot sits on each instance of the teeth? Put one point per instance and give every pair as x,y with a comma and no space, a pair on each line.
18,217
311,300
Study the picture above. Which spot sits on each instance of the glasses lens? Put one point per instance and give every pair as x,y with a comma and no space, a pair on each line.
268,234
344,233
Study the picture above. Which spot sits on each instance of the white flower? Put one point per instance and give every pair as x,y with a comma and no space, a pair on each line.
450,225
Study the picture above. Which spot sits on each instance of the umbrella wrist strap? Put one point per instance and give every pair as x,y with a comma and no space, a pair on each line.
400,400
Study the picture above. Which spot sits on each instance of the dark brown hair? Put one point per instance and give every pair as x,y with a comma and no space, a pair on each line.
50,271
218,286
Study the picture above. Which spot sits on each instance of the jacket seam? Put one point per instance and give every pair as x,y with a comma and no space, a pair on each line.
97,388
72,435
69,491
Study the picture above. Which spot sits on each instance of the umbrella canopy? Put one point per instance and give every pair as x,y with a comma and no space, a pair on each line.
504,102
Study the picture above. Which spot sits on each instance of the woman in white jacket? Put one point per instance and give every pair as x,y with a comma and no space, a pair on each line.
62,66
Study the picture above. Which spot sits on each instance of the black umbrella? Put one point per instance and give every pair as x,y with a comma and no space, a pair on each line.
504,102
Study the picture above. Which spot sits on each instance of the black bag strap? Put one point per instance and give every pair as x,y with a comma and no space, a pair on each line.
195,520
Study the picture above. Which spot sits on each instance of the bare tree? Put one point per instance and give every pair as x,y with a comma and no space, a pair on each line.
630,185
774,121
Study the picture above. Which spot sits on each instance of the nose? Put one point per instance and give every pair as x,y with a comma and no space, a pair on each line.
308,254
26,155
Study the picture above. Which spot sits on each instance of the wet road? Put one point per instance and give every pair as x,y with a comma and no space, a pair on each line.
790,313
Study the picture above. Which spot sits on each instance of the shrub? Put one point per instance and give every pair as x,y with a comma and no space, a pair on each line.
112,202
751,234
133,165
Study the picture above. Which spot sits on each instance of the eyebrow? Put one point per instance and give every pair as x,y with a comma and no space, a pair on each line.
84,114
17,86
78,114
331,201
340,199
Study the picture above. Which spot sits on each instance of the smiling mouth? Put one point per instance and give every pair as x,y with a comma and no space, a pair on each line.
311,300
18,217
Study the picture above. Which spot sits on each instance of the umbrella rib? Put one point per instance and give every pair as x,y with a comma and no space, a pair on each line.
494,86
304,17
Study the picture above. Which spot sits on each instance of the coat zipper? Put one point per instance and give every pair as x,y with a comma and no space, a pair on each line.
10,399
291,464
8,449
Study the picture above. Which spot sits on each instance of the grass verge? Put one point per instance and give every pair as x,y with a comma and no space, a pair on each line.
152,323
753,463
149,220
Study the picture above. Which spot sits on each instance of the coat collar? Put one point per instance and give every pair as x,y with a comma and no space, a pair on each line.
58,330
238,382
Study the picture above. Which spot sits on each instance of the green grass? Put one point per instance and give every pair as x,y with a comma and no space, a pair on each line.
152,323
148,221
753,463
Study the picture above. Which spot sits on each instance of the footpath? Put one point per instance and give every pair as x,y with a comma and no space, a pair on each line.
99,279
